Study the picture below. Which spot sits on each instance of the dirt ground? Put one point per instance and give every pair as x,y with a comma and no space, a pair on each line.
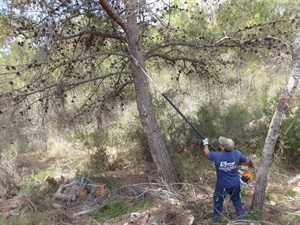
192,205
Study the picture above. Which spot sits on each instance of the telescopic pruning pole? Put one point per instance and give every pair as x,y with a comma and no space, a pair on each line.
171,103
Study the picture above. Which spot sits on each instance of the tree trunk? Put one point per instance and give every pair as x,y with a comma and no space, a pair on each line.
159,153
152,131
282,105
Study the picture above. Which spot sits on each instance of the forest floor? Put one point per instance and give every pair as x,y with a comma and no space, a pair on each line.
83,200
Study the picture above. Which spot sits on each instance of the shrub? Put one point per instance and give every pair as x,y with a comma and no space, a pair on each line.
176,132
187,168
235,120
9,177
254,215
208,117
136,135
288,141
290,219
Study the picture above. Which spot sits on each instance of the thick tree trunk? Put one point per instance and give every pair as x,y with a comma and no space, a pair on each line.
159,153
156,143
265,163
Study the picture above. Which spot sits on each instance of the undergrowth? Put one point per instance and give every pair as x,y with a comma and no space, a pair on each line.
117,207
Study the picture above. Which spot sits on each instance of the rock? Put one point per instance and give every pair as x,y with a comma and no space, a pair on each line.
56,206
272,203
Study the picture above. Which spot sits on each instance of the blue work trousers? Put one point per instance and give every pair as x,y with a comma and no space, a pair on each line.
235,196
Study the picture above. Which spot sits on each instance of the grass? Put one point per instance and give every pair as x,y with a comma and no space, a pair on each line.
254,215
116,208
291,193
28,218
290,218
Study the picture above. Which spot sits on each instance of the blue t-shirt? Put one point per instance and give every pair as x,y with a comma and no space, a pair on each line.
226,164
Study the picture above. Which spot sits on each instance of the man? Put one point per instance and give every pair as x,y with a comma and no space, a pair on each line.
226,162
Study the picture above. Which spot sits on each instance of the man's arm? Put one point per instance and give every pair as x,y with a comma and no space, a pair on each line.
248,163
205,148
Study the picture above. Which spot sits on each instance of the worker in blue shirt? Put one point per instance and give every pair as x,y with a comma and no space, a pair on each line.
226,163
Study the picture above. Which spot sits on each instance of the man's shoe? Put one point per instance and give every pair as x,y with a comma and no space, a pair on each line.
241,217
217,219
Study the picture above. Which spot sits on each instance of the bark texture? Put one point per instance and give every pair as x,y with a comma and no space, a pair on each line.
274,128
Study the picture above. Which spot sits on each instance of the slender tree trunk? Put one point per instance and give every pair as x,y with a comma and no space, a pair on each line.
282,105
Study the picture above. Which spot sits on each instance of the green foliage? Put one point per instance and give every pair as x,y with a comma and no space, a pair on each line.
36,185
257,129
289,135
138,205
174,128
99,161
117,207
90,137
269,195
42,174
188,167
208,117
9,176
231,15
28,217
185,16
35,189
94,167
118,162
291,193
254,215
290,219
135,134
96,141
235,120
231,120
176,132
95,175
287,146
111,210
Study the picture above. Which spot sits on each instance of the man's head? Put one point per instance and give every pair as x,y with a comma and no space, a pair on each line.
227,143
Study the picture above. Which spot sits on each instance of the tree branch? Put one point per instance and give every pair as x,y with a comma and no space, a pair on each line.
174,59
113,15
95,33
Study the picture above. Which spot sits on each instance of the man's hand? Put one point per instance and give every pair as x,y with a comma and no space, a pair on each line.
250,164
205,141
